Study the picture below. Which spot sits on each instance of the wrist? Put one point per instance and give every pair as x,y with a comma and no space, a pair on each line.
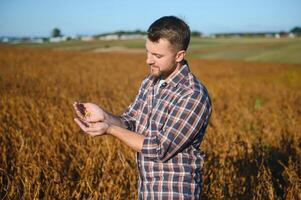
106,117
110,129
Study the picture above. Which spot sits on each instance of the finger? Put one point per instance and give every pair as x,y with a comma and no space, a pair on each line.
90,127
93,133
85,122
96,128
100,125
80,124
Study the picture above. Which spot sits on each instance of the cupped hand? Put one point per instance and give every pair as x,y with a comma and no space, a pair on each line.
89,112
93,129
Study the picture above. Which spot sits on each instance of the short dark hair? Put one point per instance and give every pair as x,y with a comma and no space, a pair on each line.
171,28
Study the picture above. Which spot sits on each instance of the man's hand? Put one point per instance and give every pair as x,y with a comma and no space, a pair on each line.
93,129
89,112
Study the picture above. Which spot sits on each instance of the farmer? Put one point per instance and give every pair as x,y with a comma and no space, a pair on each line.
167,121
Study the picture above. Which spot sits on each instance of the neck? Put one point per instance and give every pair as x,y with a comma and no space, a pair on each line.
177,67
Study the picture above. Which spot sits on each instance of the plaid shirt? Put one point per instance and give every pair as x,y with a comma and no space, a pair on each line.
173,118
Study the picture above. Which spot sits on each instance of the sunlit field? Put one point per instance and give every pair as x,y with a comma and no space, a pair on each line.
252,144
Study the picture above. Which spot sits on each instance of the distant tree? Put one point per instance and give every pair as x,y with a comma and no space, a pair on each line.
138,31
56,32
120,33
196,34
296,30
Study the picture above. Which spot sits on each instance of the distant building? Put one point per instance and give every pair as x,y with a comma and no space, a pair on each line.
55,39
58,39
277,36
291,35
122,37
37,40
75,37
4,39
132,37
87,38
109,37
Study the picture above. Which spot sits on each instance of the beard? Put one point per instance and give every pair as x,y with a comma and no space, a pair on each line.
155,71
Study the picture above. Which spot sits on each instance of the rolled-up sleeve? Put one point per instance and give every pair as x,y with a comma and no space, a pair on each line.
187,120
129,116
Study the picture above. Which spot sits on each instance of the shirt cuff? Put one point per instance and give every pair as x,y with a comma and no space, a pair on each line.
128,123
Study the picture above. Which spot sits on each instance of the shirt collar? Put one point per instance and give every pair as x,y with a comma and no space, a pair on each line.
179,75
175,78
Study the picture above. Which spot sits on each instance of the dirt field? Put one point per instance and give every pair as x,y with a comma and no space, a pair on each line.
253,142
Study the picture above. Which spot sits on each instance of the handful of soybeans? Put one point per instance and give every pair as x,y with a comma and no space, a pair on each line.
82,109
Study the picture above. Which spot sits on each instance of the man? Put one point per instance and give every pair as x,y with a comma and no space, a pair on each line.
166,122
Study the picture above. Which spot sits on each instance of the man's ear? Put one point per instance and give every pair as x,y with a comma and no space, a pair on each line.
180,55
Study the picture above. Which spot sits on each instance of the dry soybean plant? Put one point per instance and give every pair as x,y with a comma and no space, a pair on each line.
252,144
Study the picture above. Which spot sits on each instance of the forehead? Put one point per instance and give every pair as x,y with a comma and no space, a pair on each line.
162,45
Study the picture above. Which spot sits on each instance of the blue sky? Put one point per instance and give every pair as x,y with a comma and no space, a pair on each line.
39,17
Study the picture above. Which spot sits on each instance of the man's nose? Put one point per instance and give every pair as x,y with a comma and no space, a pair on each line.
149,60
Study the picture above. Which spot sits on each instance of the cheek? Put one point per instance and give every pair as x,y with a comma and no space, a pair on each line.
166,63
158,62
163,61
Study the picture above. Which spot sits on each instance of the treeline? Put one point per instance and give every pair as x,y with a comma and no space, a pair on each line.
296,31
135,32
139,32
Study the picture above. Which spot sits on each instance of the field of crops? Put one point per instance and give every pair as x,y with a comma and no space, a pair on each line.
252,144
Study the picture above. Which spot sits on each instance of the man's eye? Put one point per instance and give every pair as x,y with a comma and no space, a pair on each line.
159,56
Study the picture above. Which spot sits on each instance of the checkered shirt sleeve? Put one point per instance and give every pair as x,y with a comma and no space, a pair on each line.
183,124
129,116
